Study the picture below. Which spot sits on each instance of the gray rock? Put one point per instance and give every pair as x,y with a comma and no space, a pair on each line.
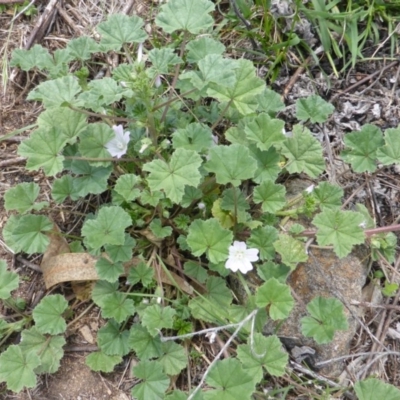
324,274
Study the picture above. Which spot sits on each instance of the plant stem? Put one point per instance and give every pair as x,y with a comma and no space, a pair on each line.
287,213
221,115
169,101
102,116
368,232
244,284
175,78
135,160
152,129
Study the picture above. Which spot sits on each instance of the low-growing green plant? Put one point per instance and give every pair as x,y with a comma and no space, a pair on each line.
345,29
187,143
24,7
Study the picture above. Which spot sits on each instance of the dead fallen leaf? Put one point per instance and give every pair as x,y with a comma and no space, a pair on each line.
69,267
87,334
59,265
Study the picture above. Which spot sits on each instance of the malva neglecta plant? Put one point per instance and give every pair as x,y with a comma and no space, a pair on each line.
188,144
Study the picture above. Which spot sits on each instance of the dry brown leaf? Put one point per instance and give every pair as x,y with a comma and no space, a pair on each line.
69,267
87,334
59,265
175,280
148,234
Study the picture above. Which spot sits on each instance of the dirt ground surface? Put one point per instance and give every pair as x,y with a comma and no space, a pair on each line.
369,94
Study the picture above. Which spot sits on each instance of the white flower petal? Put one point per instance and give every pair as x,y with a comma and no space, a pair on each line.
140,52
118,146
157,82
310,189
232,265
118,130
245,267
232,250
126,137
239,245
252,255
240,257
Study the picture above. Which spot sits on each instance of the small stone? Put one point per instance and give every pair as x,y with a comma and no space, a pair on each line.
324,274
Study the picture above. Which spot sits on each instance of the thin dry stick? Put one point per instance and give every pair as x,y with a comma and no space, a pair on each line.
38,31
367,353
5,247
245,23
332,175
12,161
396,79
365,327
310,393
386,320
217,357
368,232
361,187
396,266
385,263
29,264
81,315
372,84
370,305
361,374
202,332
128,7
221,344
188,375
69,20
366,79
321,378
380,45
376,214
42,24
123,375
295,77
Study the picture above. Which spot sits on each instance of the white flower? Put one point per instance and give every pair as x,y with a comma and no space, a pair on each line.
146,142
310,189
118,146
140,52
240,258
157,82
143,148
